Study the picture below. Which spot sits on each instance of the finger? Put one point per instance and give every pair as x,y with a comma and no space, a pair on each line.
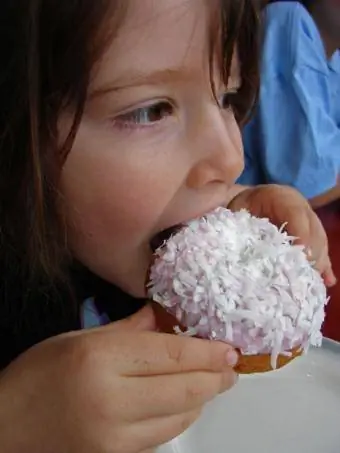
308,230
324,266
160,396
299,226
155,432
323,263
320,259
151,353
314,238
144,319
328,275
320,256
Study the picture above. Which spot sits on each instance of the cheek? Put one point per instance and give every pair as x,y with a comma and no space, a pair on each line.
234,132
98,198
111,195
235,136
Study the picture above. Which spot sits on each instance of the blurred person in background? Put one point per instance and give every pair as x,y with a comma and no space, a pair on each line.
294,136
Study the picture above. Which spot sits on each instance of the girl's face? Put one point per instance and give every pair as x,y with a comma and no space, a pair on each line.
154,148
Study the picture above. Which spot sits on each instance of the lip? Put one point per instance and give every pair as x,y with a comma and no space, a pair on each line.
160,238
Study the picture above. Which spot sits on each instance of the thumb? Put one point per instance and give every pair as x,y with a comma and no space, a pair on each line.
144,319
329,276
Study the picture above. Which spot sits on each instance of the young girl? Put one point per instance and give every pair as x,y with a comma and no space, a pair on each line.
117,121
294,137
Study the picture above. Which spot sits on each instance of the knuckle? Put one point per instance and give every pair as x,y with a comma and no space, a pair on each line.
202,389
193,393
175,351
188,419
79,354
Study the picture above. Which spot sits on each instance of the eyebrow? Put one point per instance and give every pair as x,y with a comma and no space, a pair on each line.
139,78
159,77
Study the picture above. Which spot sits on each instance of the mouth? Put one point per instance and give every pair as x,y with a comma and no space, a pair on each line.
160,238
163,236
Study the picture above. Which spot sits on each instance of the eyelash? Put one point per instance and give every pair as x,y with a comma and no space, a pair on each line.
137,117
153,114
231,98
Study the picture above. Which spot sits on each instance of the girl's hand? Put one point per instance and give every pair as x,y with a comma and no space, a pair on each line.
281,204
120,389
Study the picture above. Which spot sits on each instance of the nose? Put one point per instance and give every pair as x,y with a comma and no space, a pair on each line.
218,151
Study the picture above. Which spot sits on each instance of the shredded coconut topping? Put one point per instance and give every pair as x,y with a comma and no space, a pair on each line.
239,279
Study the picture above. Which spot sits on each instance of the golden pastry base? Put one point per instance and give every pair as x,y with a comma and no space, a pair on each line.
248,364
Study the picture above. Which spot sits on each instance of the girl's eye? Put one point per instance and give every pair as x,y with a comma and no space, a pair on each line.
236,103
146,115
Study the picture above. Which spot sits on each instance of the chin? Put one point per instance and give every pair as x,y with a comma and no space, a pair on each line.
135,286
137,292
132,275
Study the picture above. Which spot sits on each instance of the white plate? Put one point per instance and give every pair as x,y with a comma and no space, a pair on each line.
292,410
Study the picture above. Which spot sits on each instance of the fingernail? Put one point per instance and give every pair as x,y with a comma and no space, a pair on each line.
333,281
330,280
232,358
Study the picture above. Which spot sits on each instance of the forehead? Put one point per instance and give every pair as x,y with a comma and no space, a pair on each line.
160,34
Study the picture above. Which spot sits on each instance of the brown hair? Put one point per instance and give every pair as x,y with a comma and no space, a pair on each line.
48,49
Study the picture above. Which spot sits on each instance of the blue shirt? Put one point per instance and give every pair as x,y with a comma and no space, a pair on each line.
91,317
294,137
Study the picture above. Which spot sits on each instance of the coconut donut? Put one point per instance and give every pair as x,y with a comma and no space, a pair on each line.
237,278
